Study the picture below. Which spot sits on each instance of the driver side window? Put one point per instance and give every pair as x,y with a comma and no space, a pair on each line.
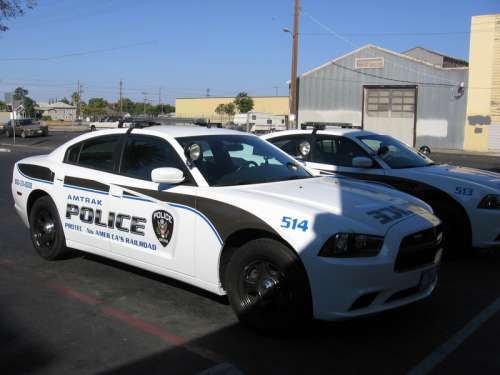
142,154
336,150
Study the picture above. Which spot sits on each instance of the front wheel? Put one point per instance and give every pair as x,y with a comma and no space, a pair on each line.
92,128
268,287
456,228
46,231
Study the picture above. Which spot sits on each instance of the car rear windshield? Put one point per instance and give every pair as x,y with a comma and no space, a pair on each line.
229,160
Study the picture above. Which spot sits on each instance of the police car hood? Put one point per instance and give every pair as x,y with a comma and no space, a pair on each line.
478,176
371,204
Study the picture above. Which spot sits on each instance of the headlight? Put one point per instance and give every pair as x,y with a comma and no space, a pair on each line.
351,245
491,201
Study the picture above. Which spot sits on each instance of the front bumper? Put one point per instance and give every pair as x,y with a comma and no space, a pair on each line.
347,288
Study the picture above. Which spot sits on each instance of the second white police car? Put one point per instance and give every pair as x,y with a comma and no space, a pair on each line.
467,200
230,213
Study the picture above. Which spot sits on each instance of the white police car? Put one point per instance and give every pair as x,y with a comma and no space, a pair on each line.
466,199
228,212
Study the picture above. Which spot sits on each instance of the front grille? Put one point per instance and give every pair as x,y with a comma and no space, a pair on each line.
418,249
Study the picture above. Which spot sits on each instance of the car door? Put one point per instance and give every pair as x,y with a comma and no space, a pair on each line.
84,198
332,153
155,223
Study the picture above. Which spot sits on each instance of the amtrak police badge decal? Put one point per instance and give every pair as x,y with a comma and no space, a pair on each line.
163,225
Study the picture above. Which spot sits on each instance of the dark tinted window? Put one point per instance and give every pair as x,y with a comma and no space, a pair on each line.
290,144
395,153
72,153
143,154
336,150
229,160
98,153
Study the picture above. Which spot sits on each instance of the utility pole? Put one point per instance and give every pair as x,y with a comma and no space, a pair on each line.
295,51
145,101
78,99
121,97
159,100
276,90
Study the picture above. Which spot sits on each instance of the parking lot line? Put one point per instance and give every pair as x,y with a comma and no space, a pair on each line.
130,320
438,355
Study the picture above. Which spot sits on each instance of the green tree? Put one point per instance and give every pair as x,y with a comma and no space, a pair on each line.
3,106
230,109
29,104
64,100
243,102
20,93
96,107
75,97
13,8
220,110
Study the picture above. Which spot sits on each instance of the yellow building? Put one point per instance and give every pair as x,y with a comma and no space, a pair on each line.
205,107
482,124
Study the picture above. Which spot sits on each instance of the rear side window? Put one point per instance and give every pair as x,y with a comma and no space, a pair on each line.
72,153
142,154
290,144
336,151
98,153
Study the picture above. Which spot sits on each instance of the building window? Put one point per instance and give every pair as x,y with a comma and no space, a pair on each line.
254,117
394,102
269,122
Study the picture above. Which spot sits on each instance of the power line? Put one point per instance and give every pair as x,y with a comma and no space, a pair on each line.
75,54
344,39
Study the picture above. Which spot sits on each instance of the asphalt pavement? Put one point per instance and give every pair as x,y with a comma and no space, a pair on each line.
87,315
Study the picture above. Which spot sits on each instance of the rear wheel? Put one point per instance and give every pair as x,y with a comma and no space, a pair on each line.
46,231
268,287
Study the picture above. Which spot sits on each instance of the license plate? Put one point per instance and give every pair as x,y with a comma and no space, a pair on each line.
428,277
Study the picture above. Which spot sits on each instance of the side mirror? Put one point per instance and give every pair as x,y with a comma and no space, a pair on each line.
426,150
362,162
304,148
167,176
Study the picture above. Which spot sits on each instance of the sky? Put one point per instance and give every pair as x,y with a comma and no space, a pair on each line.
186,47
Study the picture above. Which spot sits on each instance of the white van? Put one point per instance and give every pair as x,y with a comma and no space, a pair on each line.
260,122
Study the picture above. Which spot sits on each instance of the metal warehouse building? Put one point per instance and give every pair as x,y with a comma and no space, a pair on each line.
418,96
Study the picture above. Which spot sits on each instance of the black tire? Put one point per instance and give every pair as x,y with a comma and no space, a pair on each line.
46,231
268,287
92,128
456,228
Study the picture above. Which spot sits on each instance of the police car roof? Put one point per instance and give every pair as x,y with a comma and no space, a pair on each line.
351,132
186,130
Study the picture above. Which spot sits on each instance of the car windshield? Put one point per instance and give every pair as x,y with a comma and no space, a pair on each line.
228,160
395,153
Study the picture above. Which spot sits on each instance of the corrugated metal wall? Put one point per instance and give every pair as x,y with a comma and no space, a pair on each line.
333,93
